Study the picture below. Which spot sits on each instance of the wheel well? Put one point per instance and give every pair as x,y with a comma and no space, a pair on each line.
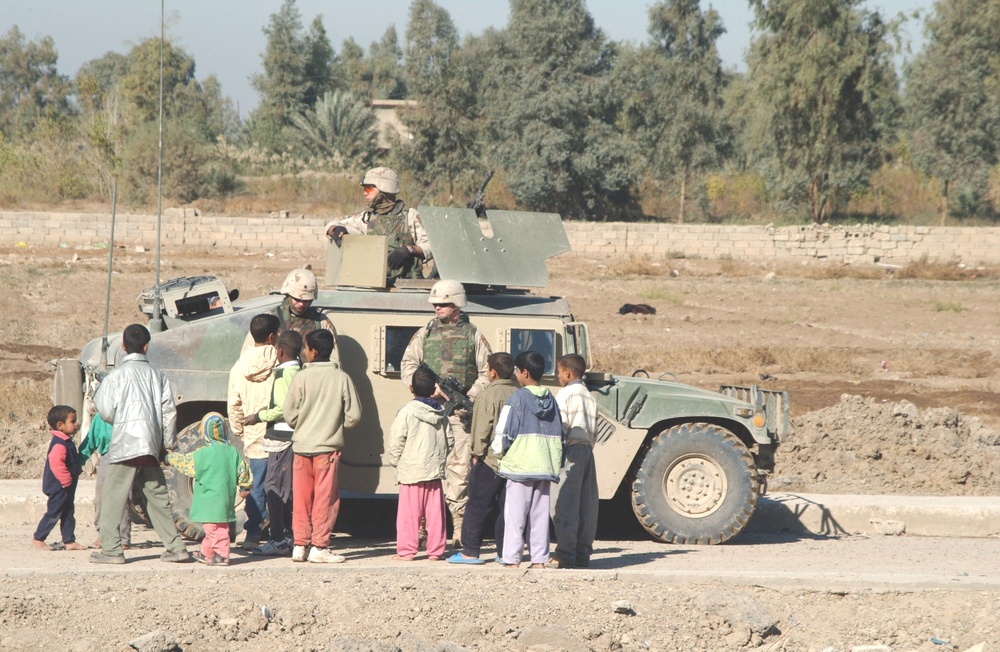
192,411
662,426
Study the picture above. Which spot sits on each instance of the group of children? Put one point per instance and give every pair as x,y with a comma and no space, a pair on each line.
292,419
524,442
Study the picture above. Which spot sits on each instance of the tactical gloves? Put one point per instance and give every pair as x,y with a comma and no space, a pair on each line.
337,233
400,257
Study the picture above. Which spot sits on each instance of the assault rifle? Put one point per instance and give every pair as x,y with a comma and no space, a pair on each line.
457,400
478,202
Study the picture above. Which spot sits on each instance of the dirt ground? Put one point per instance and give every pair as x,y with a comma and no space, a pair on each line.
893,386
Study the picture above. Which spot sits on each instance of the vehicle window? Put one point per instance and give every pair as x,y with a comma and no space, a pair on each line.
544,342
396,339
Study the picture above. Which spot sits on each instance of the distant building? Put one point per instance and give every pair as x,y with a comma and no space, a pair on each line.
386,113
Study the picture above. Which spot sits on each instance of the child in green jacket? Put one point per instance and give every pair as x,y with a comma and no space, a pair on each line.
218,470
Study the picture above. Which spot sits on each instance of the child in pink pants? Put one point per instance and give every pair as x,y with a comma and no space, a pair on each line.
419,441
218,471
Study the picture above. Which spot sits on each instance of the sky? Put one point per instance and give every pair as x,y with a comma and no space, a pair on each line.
225,36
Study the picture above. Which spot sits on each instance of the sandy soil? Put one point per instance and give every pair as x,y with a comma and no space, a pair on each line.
893,389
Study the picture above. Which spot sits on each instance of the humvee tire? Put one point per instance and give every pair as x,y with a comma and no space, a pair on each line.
695,478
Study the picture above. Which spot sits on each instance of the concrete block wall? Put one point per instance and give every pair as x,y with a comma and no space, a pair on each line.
861,244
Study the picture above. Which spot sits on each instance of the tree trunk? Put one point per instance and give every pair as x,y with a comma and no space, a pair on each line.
817,215
944,201
680,216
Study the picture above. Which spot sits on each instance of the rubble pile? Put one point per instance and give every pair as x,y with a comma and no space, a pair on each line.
865,446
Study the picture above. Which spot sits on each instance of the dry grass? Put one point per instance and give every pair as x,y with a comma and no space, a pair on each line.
631,266
26,404
936,270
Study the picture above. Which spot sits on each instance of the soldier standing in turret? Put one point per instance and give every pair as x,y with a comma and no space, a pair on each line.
409,251
452,346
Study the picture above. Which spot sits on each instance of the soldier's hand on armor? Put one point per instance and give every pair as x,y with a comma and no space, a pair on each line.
251,420
337,232
399,257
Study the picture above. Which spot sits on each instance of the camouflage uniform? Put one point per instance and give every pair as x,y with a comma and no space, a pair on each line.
313,319
458,350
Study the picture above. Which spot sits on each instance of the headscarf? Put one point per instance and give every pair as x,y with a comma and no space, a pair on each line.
213,427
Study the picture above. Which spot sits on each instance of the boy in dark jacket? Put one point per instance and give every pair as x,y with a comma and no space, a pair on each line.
529,444
62,469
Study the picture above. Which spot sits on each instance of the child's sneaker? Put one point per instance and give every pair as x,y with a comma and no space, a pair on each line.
324,556
299,553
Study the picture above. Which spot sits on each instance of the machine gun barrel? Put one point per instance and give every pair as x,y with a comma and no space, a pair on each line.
478,202
457,400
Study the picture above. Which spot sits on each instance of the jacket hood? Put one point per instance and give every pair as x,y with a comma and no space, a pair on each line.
259,362
213,427
427,413
542,403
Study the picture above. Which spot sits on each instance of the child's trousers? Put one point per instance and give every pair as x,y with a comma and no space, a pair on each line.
416,501
315,498
216,540
526,505
60,510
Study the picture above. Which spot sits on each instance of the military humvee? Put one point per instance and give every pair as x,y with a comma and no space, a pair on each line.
693,461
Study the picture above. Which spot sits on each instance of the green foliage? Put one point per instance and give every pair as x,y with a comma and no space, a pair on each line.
674,105
185,154
338,129
824,90
387,67
550,112
30,86
445,152
952,101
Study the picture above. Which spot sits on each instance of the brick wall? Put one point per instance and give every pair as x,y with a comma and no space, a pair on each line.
855,245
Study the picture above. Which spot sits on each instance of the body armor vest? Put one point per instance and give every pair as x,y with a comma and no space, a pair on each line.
312,320
450,350
393,226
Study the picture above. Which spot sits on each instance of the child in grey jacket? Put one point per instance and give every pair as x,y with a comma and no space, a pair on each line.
419,441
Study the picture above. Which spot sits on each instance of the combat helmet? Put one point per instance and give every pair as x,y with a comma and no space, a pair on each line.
384,179
447,291
300,284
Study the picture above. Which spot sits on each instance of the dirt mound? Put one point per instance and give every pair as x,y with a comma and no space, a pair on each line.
866,446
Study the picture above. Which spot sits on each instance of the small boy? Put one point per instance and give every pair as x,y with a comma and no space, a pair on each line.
98,440
321,402
528,442
278,444
419,441
249,392
576,496
218,470
62,469
485,486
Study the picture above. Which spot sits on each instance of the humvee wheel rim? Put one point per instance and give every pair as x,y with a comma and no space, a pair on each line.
695,486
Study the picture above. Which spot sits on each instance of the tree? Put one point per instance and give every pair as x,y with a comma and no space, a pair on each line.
320,62
551,111
30,86
386,67
953,98
443,80
341,128
282,85
676,112
825,88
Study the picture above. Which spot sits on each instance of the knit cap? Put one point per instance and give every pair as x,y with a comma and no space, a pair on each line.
213,427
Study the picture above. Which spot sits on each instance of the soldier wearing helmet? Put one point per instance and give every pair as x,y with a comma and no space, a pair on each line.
296,312
409,251
452,346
